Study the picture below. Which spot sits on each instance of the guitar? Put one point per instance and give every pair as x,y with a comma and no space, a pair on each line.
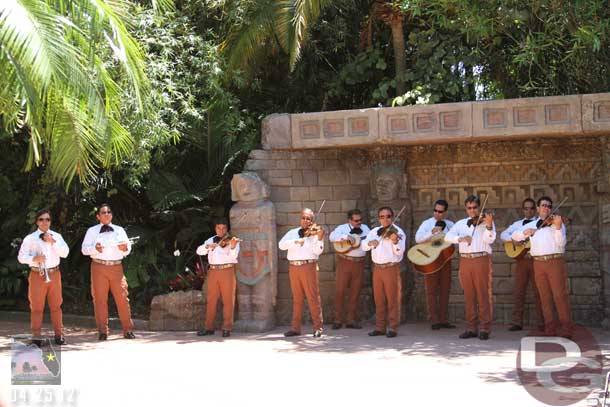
516,250
346,246
431,256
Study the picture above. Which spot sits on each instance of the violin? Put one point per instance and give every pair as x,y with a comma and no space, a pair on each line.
387,232
479,219
550,219
226,240
312,230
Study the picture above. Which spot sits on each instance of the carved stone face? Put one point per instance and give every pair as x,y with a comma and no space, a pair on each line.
248,186
387,187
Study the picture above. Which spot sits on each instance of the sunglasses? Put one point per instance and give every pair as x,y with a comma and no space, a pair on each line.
528,208
106,213
437,211
44,219
546,206
385,216
472,207
357,220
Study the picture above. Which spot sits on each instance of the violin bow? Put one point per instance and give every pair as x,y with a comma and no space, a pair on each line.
319,210
554,210
479,218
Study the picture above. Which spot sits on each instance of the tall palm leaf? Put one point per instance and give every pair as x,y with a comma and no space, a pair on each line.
56,84
271,23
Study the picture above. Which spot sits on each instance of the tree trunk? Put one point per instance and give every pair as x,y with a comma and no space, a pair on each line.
398,43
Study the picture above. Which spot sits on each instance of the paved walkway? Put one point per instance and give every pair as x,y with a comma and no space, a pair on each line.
420,367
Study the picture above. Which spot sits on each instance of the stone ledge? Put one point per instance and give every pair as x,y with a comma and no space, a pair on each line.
553,116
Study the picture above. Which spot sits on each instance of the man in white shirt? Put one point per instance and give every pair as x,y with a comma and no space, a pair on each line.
524,270
437,284
42,250
222,251
107,244
475,240
350,269
304,245
548,243
387,246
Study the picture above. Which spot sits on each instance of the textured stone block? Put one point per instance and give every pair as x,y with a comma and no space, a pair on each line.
275,132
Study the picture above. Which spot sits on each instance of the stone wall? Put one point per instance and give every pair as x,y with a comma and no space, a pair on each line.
508,171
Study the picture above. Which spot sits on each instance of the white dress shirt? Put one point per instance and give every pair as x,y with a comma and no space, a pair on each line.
33,246
545,241
219,255
311,249
424,232
481,241
506,236
108,240
341,232
386,251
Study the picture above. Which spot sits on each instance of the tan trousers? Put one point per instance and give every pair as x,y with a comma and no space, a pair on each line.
38,291
438,285
551,277
475,278
304,284
524,271
387,292
221,283
110,278
349,273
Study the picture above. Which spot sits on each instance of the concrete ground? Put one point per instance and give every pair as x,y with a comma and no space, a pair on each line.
420,367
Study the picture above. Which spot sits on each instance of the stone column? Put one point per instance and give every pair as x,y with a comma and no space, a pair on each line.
603,188
253,220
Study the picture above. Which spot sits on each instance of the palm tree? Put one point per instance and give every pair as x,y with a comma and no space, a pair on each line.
59,62
269,23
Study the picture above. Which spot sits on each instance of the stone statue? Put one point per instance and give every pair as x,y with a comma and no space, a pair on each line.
253,221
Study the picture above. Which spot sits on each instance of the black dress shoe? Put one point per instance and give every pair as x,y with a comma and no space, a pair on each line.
483,335
129,335
102,337
468,334
376,333
291,333
37,342
337,325
436,327
447,325
515,328
226,333
317,333
354,325
391,334
205,332
60,340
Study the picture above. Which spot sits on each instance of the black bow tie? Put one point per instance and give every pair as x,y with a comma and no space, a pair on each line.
526,221
357,231
41,236
470,222
440,223
106,228
541,224
301,232
217,239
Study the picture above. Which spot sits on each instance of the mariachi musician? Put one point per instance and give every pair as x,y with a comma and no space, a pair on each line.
475,235
548,242
524,270
222,251
437,284
304,245
387,244
350,268
42,250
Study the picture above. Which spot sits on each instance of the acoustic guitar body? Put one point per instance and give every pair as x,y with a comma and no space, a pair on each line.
516,251
347,246
431,256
